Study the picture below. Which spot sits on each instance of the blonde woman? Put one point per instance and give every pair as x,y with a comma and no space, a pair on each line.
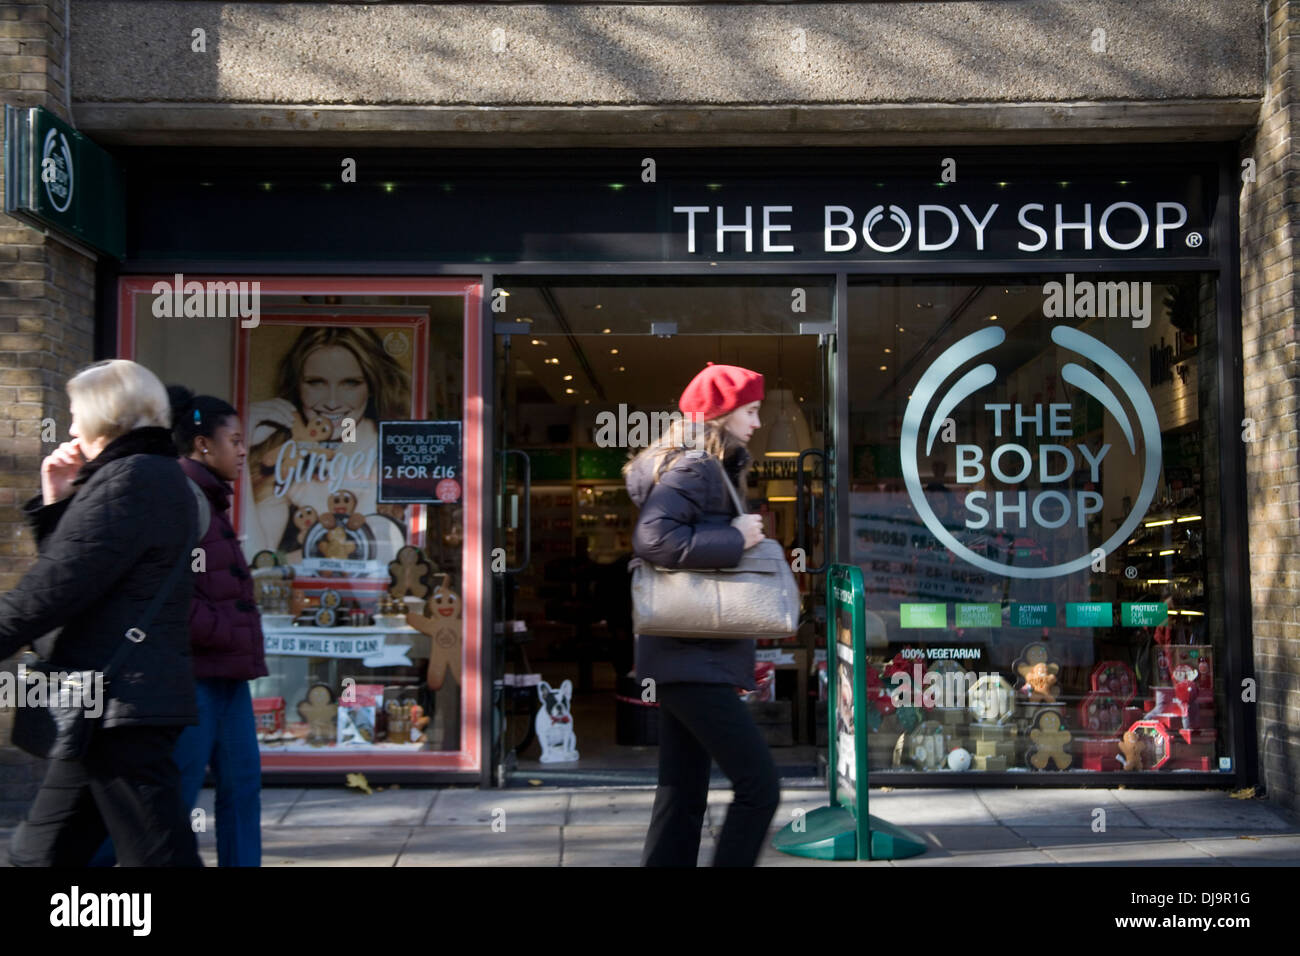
688,520
114,520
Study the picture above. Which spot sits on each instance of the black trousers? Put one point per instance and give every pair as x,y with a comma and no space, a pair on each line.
699,723
126,786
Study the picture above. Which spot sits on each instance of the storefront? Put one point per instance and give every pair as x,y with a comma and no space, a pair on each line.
1004,383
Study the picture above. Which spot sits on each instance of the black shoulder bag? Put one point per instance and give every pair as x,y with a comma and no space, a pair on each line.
61,730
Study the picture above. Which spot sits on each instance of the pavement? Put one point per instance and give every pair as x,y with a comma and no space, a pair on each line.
606,826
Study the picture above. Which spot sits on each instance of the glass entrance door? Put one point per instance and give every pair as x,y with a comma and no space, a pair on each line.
588,372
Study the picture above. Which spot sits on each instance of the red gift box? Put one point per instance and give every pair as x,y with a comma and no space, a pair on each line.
268,714
1097,753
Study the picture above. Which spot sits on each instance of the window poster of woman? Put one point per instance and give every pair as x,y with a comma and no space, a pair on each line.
314,392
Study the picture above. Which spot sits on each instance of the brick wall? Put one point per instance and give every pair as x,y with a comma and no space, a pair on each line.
46,333
1270,215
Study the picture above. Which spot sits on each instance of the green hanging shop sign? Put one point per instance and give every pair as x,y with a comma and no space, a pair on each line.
56,179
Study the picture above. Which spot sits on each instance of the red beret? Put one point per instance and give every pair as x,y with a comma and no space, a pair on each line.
720,389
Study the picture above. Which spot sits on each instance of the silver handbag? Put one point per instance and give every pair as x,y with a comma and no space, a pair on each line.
757,598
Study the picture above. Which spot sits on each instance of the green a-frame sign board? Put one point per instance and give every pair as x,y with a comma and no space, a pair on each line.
845,830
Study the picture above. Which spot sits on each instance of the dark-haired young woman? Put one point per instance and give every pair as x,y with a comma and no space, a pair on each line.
225,635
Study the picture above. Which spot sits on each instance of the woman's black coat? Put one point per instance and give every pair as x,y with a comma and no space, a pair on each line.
685,522
104,552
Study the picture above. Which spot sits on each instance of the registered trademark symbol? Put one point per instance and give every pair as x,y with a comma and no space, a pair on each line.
1130,572
1194,239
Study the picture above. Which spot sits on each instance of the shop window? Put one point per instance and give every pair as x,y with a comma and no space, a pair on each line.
352,511
1035,508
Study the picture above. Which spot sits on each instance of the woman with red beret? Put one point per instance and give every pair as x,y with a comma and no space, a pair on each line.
688,520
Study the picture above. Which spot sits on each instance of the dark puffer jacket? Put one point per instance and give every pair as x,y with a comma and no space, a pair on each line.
225,626
685,522
105,551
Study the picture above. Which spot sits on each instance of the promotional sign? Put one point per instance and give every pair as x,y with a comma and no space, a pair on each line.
370,649
419,462
314,390
56,178
845,830
847,675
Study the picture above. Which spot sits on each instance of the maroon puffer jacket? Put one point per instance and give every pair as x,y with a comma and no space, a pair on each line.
225,626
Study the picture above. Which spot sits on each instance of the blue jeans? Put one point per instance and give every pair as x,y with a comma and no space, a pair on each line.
226,739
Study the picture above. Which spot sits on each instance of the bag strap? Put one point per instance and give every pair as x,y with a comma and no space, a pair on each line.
735,496
204,506
134,635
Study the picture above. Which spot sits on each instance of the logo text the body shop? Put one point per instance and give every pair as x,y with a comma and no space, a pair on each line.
208,300
1026,459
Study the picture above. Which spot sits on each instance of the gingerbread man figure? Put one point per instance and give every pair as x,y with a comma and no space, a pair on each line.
443,625
343,511
304,517
410,573
1049,738
318,429
444,630
1040,682
1038,673
1131,749
321,714
336,544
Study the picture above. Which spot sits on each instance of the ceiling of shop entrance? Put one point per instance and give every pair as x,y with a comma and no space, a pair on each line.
651,372
591,344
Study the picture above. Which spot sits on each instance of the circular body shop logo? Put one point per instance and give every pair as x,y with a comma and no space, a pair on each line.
395,344
448,489
59,186
1029,439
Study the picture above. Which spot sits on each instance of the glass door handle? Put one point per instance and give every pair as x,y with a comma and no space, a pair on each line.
801,537
527,509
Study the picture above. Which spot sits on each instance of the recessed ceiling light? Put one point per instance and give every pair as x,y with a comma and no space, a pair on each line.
993,318
884,368
622,368
887,351
604,331
568,378
537,341
568,391
613,351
